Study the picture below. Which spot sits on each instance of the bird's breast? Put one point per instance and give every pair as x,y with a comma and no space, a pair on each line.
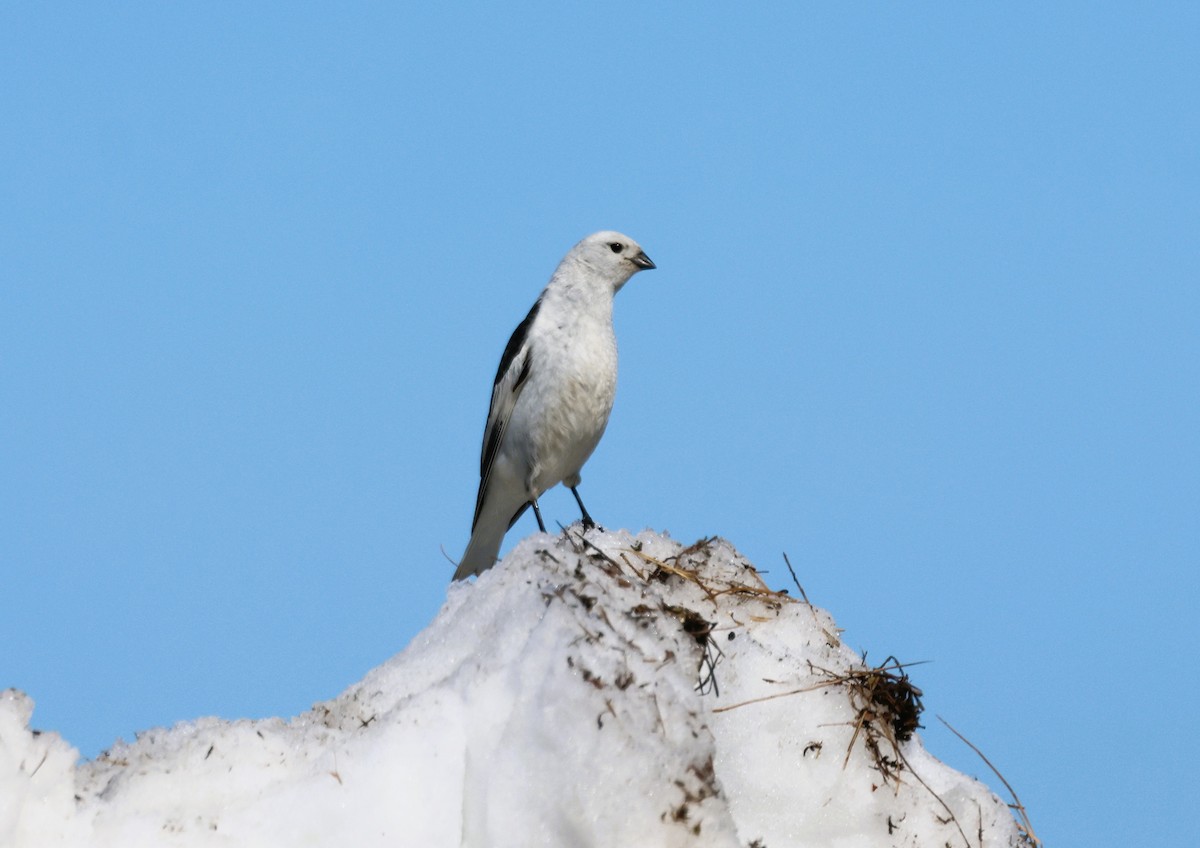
571,387
582,382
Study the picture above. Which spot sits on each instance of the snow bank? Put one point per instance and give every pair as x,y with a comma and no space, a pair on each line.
623,691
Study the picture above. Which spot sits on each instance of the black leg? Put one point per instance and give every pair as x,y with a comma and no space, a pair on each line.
588,524
538,514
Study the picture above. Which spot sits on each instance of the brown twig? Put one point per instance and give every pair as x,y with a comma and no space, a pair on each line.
712,594
795,579
812,688
1016,804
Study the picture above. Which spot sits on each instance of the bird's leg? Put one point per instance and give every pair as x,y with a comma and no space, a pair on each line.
588,524
537,514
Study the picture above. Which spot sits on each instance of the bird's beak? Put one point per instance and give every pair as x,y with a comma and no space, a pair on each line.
643,261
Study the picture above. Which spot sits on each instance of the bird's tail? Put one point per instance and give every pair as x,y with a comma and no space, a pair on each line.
484,545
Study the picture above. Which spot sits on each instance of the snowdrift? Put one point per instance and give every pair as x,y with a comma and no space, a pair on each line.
607,690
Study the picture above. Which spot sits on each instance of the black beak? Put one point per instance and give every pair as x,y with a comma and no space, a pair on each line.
643,261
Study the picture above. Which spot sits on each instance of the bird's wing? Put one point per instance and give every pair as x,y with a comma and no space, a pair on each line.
510,379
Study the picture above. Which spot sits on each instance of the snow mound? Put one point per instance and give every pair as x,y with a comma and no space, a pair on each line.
607,690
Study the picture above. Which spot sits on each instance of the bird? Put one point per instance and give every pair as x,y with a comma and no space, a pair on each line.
553,393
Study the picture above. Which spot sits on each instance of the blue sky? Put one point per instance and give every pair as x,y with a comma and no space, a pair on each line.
926,318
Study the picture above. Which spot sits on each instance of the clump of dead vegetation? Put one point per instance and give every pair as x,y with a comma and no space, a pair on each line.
887,710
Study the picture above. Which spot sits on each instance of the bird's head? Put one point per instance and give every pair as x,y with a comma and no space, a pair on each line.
613,256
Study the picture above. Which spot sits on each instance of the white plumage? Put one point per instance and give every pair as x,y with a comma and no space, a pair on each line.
553,392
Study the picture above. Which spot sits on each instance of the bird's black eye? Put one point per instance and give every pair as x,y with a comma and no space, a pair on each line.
616,246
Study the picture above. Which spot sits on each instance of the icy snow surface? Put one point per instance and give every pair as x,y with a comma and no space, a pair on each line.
554,702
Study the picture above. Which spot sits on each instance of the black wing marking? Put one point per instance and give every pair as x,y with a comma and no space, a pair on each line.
515,342
504,397
495,428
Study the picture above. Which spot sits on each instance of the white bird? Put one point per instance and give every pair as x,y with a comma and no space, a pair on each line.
553,392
